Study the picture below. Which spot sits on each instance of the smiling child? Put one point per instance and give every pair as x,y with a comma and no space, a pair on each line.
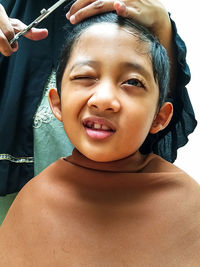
108,204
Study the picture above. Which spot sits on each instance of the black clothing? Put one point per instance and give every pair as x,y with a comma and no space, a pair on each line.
22,80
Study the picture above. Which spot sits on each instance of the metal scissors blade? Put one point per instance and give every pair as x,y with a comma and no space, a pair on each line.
44,13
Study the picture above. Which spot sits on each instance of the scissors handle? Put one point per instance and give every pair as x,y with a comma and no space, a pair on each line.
44,14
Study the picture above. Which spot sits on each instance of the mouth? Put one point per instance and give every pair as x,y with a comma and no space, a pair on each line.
98,128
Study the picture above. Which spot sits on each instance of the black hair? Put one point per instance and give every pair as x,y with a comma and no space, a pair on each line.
155,50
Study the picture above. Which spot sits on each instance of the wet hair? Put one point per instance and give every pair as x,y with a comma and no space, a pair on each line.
152,48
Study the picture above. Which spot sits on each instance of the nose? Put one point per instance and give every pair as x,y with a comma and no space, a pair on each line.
105,97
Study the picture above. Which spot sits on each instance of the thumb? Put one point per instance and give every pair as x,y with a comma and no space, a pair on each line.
36,34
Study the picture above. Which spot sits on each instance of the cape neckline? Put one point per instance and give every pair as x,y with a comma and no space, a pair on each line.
135,163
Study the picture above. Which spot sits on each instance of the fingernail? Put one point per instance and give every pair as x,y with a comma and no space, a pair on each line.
117,4
72,19
119,7
68,15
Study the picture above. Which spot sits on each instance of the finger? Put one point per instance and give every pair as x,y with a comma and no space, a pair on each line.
79,4
6,34
34,33
5,47
5,24
120,8
97,7
129,12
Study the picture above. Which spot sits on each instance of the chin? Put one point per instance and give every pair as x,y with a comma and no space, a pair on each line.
99,156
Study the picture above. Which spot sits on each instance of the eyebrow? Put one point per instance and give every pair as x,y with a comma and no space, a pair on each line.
84,63
140,68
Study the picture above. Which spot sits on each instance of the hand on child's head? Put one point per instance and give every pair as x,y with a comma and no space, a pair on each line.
152,14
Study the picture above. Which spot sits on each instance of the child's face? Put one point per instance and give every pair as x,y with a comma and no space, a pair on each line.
108,94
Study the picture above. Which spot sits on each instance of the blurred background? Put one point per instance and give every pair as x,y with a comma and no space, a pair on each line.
187,17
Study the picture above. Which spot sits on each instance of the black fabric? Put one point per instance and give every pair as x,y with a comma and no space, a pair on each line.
183,123
22,80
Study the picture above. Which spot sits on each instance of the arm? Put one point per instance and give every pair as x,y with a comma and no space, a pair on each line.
10,26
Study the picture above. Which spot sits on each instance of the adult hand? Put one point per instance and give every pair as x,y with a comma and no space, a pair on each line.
10,26
150,13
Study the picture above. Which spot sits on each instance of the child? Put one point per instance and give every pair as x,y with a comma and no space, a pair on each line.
107,204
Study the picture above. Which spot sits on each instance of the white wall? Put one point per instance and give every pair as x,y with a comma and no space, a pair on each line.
186,14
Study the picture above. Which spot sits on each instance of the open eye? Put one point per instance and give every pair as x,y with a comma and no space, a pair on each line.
134,82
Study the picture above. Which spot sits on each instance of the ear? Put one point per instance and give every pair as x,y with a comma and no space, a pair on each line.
55,104
162,118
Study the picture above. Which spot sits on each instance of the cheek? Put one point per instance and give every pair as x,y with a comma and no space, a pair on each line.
68,102
72,105
139,121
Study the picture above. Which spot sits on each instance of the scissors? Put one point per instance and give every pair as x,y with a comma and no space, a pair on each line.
44,13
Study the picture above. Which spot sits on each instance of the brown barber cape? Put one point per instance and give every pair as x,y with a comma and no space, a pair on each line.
138,211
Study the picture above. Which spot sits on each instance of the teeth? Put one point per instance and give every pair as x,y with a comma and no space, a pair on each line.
104,127
97,126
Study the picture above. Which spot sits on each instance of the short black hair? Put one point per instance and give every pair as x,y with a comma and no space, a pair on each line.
156,52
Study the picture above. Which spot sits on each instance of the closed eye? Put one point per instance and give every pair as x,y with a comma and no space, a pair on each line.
83,77
84,80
